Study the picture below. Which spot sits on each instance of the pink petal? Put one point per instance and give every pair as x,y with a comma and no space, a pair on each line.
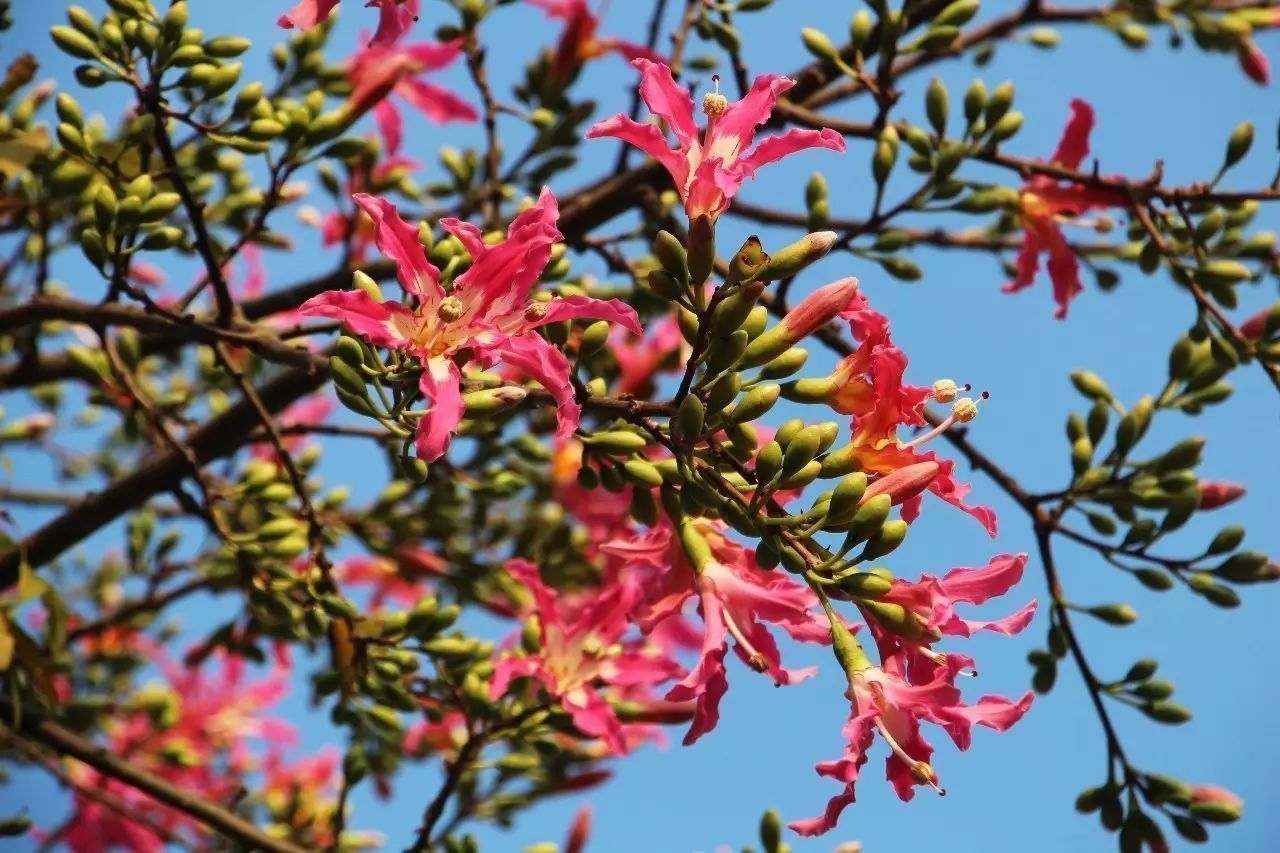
384,324
507,670
306,14
741,118
667,99
1074,145
587,308
442,383
975,586
994,712
711,189
648,139
437,103
813,826
398,240
1064,269
773,148
1009,625
595,717
1028,263
390,124
394,19
548,366
433,55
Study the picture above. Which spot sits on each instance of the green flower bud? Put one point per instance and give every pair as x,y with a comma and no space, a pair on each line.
936,99
226,47
866,584
755,403
786,364
164,237
1114,614
74,42
1238,144
616,441
890,535
670,252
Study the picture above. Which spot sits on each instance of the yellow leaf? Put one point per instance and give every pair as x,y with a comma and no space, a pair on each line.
17,152
6,644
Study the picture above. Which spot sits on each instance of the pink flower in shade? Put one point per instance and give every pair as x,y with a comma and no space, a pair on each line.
146,274
487,316
1041,203
884,702
869,385
440,736
1215,494
580,651
200,747
311,410
735,595
394,17
709,167
579,43
641,359
383,69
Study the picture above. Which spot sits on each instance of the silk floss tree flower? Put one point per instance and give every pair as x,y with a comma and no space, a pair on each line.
383,69
394,17
736,597
869,385
1044,201
487,317
892,700
579,43
580,650
709,166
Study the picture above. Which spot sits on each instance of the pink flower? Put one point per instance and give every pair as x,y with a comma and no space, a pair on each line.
386,68
931,600
487,316
310,410
579,651
579,43
1041,203
870,385
394,17
709,168
640,360
883,702
735,596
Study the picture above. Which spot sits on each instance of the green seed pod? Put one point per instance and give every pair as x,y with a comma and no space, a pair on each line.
1238,144
687,424
756,403
936,99
670,252
999,102
73,42
164,237
641,472
732,311
768,462
786,364
890,535
1114,614
1007,127
802,449
226,47
870,517
616,441
866,585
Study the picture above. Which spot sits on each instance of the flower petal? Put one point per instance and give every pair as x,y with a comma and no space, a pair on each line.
649,139
1074,145
306,14
585,307
667,99
437,103
548,365
773,148
384,324
398,240
442,382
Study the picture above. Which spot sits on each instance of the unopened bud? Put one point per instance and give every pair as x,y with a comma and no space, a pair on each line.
1214,494
904,483
815,311
795,257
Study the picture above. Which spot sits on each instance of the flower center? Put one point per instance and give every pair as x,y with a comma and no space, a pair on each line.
964,410
713,103
450,309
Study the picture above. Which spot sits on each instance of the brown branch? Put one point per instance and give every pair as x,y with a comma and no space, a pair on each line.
226,823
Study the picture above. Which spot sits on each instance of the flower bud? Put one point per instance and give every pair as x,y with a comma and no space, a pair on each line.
866,584
815,311
1214,494
795,257
786,364
755,403
671,254
886,540
768,462
870,517
904,483
492,400
702,249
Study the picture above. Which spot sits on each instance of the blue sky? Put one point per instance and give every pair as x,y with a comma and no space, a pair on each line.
1011,791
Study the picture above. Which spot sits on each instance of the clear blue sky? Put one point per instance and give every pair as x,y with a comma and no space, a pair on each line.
1013,791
